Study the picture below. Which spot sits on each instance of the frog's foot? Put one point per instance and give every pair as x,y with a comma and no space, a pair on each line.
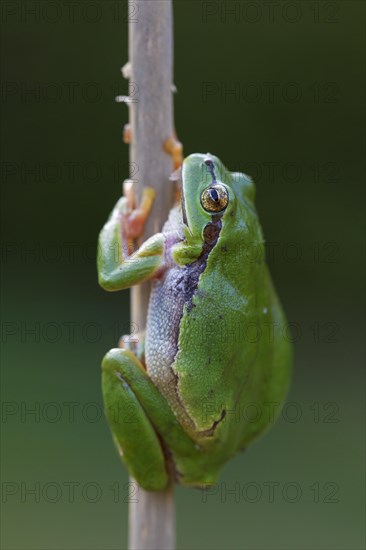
134,217
135,343
127,134
145,429
173,147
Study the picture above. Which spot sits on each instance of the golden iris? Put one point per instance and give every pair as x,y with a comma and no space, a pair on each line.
215,198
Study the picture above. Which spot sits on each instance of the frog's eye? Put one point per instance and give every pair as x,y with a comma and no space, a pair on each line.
215,198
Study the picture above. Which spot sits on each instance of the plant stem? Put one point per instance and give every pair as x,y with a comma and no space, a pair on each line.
151,521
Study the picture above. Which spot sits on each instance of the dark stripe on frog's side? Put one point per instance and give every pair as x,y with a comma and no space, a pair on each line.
169,296
187,286
189,281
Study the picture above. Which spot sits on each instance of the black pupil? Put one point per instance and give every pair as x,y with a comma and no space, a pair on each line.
214,195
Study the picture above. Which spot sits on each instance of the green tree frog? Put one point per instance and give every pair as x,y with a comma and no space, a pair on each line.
214,366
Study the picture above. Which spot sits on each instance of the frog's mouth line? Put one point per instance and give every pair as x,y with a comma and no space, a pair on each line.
177,177
183,206
211,168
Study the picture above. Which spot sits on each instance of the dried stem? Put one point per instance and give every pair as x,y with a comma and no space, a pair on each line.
151,522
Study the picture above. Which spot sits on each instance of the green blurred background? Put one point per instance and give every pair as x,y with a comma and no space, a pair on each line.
295,122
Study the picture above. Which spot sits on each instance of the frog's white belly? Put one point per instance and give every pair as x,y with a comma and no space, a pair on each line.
164,315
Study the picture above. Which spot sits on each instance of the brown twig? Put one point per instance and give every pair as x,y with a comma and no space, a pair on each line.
151,522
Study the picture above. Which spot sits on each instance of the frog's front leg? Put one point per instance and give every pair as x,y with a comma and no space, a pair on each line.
118,267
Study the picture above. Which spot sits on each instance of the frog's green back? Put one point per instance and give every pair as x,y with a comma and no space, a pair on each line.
233,363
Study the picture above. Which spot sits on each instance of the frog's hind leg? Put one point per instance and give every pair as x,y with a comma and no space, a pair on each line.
141,420
134,435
